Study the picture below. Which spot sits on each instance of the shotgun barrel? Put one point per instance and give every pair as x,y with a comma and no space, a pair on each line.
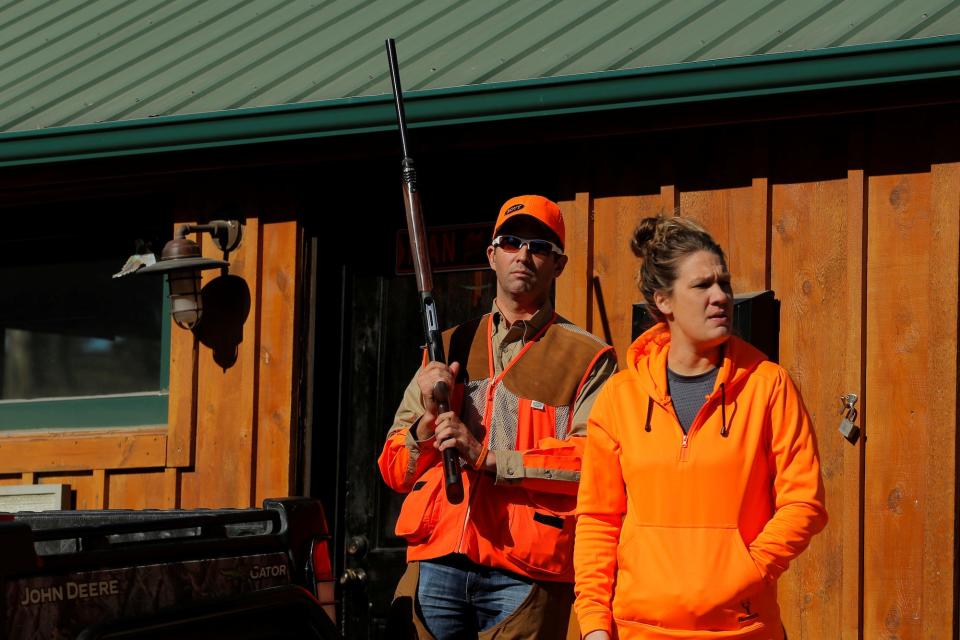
421,268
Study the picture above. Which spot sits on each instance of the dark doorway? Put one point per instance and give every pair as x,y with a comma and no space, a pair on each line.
360,385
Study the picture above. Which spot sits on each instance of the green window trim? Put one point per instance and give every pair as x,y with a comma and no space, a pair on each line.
127,410
885,63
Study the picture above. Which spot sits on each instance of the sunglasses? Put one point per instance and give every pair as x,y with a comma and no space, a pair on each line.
513,244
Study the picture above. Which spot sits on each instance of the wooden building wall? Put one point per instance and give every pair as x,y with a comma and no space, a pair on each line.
851,220
853,223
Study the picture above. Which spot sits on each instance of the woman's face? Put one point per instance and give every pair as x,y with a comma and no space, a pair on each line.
699,311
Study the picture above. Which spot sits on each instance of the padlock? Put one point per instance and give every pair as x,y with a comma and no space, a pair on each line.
849,430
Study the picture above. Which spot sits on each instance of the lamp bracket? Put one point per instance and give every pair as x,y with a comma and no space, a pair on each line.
226,234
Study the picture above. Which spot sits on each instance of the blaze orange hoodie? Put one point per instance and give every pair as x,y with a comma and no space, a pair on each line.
684,536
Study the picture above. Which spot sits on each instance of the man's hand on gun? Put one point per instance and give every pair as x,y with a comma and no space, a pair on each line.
449,430
427,380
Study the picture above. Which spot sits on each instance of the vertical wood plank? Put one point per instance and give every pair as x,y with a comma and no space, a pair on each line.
28,478
898,328
756,272
574,299
734,218
815,253
171,488
669,192
670,199
182,408
277,434
809,274
226,399
850,493
85,494
615,266
138,489
911,382
940,596
100,495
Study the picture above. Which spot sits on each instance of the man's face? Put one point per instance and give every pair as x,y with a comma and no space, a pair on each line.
523,276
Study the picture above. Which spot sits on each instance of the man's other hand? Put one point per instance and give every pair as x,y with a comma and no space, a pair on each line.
427,379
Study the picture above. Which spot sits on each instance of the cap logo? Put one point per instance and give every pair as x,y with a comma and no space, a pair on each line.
515,207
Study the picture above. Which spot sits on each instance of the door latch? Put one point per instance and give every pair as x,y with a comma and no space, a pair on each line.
354,578
848,429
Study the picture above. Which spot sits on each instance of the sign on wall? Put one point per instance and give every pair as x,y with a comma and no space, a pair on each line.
461,247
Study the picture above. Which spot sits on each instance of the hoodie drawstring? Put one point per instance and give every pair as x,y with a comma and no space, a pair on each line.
724,431
723,411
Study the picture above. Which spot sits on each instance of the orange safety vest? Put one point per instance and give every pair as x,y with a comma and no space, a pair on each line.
525,524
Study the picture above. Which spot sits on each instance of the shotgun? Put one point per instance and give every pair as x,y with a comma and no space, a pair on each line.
421,268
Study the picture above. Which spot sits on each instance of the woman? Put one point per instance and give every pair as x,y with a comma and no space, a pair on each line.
700,480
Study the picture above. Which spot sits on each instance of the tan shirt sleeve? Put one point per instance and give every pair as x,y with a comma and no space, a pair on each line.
409,413
403,458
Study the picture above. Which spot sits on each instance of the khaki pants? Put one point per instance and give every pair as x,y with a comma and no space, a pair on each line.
546,614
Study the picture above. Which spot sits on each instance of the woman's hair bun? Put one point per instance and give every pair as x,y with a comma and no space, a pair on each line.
643,236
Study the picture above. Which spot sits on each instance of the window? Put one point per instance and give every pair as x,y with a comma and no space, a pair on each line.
80,348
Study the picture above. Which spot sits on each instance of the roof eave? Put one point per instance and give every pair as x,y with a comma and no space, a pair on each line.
843,67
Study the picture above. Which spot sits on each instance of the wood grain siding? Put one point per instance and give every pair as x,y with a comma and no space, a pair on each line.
939,467
898,326
736,220
810,274
850,511
911,383
276,434
226,397
574,288
245,432
615,266
182,407
853,223
139,489
83,450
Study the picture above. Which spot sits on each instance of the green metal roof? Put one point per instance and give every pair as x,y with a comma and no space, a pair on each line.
66,65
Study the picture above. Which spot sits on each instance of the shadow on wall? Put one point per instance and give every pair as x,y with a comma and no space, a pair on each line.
226,305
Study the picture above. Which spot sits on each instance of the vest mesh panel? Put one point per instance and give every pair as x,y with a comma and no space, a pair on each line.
503,427
563,422
474,397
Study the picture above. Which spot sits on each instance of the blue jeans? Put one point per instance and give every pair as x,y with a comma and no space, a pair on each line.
458,599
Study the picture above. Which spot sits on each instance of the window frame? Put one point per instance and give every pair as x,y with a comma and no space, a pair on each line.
101,411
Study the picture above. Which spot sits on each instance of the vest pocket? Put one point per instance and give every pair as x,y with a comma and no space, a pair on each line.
421,508
542,539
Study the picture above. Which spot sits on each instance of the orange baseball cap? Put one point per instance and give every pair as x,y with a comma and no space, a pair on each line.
544,211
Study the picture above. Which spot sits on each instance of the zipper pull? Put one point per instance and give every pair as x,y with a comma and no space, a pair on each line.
684,444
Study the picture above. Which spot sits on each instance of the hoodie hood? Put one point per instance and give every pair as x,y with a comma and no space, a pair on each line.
647,362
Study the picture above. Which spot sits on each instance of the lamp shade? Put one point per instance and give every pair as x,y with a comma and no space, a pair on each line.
182,253
182,262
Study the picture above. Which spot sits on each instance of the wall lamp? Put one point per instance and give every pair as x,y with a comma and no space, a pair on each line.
182,261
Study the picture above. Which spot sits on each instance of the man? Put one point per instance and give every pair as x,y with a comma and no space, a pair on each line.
523,379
